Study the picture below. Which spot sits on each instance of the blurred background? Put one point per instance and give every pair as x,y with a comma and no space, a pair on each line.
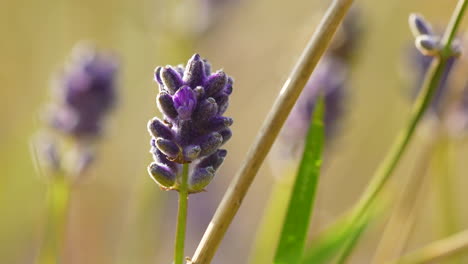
119,215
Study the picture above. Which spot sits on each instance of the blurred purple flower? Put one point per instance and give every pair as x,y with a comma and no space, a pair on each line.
86,92
329,78
451,110
193,128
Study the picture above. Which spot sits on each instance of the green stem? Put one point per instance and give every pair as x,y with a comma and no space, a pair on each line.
181,217
387,167
58,202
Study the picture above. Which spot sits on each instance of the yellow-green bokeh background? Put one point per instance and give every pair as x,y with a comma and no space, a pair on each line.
119,215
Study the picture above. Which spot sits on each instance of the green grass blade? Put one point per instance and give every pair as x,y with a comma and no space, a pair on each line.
294,232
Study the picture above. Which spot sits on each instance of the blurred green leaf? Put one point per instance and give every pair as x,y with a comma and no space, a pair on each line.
294,232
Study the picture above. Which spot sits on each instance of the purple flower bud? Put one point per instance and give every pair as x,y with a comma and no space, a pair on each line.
161,158
162,175
214,160
194,74
207,110
200,178
228,88
167,147
223,102
215,83
166,105
226,133
218,122
210,143
157,75
191,152
428,45
419,26
158,129
170,79
185,102
193,126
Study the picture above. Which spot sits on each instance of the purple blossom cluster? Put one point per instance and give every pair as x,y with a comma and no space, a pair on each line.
193,101
85,94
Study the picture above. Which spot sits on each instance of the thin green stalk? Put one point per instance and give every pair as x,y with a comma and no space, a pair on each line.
387,167
269,131
437,251
181,217
57,209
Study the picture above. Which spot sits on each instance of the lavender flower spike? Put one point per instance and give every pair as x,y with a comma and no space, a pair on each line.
86,91
193,129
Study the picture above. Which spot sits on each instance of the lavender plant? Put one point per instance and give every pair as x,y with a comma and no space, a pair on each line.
83,95
193,101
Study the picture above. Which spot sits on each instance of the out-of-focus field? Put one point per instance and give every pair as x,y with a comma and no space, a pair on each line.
119,215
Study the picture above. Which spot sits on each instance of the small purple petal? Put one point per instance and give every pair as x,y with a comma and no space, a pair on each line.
185,102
